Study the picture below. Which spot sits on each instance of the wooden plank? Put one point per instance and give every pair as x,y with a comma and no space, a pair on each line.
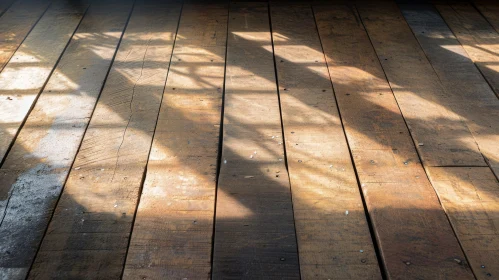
16,23
93,219
471,97
477,36
24,76
442,138
331,243
254,230
172,235
36,168
490,10
4,5
470,196
415,238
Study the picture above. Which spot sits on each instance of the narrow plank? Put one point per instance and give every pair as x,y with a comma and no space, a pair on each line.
478,37
254,229
4,5
331,243
471,97
415,238
24,76
35,170
93,219
470,196
172,235
442,138
16,23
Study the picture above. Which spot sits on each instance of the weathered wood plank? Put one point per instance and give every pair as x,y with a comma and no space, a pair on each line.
4,5
490,10
415,238
35,170
470,196
24,76
471,97
16,23
442,137
254,230
172,235
477,37
93,219
331,243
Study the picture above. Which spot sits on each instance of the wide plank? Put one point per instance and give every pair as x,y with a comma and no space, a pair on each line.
414,236
477,36
16,23
4,5
471,98
93,219
470,196
490,10
173,230
34,172
442,138
254,229
332,232
26,73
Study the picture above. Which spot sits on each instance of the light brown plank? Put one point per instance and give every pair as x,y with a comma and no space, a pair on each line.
415,238
173,230
471,97
333,236
24,76
470,196
442,137
478,38
172,234
93,219
16,23
35,170
254,231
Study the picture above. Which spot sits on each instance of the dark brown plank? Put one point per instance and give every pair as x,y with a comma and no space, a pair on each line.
442,137
173,231
37,166
16,23
415,238
93,219
477,37
254,230
333,236
4,5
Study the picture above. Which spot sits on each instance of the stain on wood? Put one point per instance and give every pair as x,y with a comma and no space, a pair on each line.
98,203
414,236
254,230
172,235
333,236
36,168
26,73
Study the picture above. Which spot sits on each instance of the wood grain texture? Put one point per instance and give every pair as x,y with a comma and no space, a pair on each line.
172,235
415,238
490,10
4,5
36,168
24,76
16,23
93,219
442,138
471,97
477,36
254,230
334,241
470,196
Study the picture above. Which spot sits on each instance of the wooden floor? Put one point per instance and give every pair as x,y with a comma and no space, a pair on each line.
145,139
